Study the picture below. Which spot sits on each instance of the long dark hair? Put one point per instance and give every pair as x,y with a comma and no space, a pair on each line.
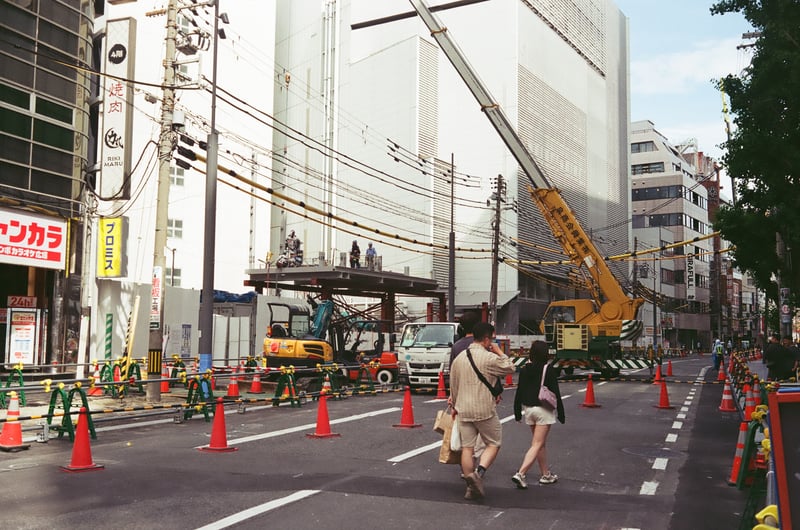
539,352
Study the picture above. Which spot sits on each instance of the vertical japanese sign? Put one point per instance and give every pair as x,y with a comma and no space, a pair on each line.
117,128
156,291
110,239
32,240
691,292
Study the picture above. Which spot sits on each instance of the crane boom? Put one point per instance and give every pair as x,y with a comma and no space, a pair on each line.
562,221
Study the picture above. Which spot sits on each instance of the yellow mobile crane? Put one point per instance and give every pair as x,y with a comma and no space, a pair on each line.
584,333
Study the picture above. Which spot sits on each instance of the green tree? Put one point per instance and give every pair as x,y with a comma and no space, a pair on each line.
763,153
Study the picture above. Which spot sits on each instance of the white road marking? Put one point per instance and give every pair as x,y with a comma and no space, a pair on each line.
258,510
648,488
672,438
307,426
684,409
677,424
660,463
681,416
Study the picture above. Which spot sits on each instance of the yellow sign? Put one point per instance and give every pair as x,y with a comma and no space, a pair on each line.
109,248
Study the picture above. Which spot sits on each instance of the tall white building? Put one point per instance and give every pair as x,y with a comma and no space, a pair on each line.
383,113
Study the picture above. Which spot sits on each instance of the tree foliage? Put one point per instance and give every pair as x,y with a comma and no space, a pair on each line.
763,153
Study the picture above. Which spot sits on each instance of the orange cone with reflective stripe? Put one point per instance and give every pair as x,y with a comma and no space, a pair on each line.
727,404
81,451
669,368
164,382
326,385
11,437
756,391
93,389
737,458
255,385
749,404
589,401
233,385
721,374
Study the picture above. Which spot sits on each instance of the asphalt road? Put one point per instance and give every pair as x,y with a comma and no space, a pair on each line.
624,465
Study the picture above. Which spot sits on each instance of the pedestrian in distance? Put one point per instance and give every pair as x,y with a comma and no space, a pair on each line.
355,256
472,376
539,417
369,257
778,359
466,323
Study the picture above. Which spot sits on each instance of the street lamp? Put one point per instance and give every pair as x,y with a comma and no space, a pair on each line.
209,236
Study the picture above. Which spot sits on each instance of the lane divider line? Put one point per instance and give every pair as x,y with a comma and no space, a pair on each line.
258,510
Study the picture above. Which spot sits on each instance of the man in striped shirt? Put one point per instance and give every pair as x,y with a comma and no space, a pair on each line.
474,404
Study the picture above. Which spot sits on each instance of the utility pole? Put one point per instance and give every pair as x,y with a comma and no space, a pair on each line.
498,195
451,245
165,146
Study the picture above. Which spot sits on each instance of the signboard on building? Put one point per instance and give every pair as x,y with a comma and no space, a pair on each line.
22,336
32,240
117,127
110,240
691,292
156,292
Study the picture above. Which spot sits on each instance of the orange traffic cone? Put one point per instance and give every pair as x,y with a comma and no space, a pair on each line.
509,381
326,385
658,377
255,385
749,403
285,393
727,404
233,385
589,401
737,457
81,451
407,416
669,368
323,422
441,392
663,402
11,437
93,389
721,374
756,391
164,378
219,438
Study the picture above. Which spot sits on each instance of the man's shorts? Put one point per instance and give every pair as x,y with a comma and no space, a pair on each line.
538,415
489,429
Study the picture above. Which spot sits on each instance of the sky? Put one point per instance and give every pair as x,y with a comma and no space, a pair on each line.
676,48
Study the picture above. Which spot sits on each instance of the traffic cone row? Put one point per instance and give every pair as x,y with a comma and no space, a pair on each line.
737,457
407,416
441,391
727,404
749,403
589,401
11,436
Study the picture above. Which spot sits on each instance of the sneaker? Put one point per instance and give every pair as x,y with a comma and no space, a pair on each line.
471,494
519,480
475,482
548,479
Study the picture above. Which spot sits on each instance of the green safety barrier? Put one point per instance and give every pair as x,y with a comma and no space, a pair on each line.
66,404
286,388
199,396
16,373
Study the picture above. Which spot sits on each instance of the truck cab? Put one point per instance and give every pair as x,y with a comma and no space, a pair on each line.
424,351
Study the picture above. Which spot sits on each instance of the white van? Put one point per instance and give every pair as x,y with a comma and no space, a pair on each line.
424,351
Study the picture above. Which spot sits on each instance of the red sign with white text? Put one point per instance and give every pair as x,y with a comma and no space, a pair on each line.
32,240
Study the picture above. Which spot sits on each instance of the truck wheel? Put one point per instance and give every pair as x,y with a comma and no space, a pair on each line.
385,377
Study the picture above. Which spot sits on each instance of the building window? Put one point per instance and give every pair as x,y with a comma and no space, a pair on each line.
173,277
176,176
657,193
174,228
643,147
642,169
